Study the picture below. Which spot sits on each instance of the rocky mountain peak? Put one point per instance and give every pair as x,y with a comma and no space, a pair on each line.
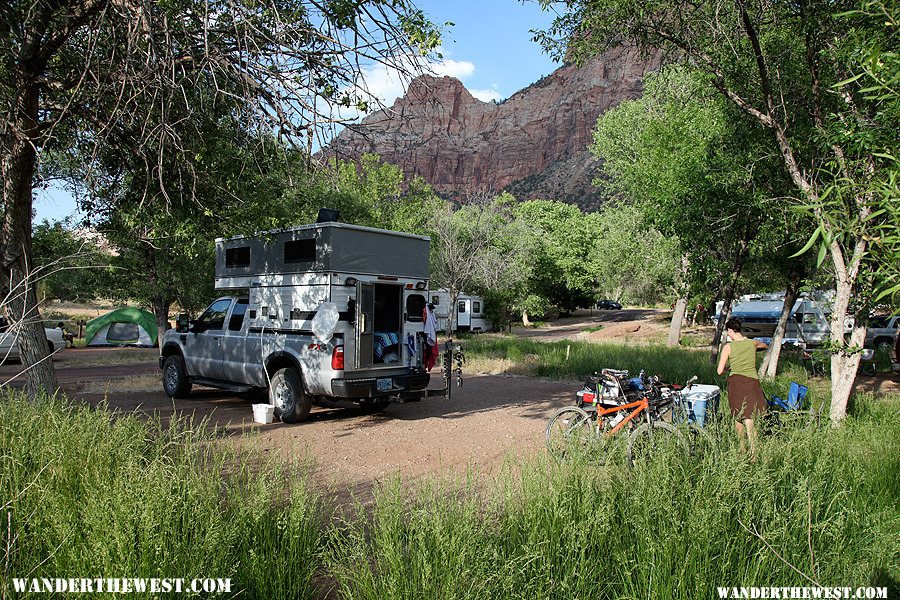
534,144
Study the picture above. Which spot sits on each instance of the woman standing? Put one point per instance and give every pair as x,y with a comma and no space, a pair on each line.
745,396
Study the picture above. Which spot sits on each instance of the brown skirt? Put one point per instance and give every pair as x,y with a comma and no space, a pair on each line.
745,397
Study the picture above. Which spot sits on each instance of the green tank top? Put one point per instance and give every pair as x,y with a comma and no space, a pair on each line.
743,358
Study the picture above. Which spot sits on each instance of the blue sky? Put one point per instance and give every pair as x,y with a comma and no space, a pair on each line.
489,49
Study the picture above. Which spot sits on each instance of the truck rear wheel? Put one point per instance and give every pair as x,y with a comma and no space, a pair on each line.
176,383
286,393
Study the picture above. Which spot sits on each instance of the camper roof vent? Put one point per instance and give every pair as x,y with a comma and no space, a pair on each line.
328,215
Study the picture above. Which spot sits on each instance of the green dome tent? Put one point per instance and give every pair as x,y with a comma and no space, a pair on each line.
124,326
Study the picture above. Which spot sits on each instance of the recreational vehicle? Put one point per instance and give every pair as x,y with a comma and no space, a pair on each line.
469,311
319,311
808,324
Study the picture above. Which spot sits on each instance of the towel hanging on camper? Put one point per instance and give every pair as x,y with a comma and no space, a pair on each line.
430,322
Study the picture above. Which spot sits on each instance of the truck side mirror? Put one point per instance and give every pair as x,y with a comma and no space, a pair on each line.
182,323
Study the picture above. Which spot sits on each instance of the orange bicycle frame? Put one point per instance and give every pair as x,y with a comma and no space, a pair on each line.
640,406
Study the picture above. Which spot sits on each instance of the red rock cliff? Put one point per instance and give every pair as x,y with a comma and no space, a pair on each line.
534,144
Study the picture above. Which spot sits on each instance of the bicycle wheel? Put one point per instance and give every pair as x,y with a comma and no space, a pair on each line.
570,433
654,438
702,444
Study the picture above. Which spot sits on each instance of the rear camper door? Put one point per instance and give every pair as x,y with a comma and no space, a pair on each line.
365,323
464,313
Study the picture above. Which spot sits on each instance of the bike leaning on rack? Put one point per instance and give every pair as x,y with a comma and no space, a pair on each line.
608,404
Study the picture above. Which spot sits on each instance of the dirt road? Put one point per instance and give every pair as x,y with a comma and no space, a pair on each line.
490,417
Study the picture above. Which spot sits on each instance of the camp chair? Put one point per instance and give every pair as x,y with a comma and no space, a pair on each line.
796,395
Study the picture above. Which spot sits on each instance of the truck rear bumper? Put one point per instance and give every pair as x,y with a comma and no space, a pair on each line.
368,387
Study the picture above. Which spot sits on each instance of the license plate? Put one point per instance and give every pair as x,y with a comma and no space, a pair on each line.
383,384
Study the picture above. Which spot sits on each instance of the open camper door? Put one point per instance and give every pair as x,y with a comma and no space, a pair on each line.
365,324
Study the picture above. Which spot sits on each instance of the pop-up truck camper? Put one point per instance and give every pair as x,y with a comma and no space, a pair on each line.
322,311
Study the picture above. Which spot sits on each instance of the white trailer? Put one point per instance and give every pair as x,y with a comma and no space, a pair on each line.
469,311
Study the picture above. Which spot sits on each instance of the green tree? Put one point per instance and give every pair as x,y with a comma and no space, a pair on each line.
562,274
681,153
479,246
777,63
633,262
83,77
68,266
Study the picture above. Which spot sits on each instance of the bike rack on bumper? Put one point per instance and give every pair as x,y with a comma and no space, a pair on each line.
452,360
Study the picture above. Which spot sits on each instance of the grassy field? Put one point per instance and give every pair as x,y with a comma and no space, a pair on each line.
86,493
818,508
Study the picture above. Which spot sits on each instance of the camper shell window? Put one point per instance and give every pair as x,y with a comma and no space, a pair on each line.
300,251
237,258
415,304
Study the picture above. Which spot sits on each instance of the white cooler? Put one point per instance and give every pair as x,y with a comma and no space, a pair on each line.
703,402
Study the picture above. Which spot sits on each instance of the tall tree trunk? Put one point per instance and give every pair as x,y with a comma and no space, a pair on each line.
843,364
728,301
677,320
453,317
17,278
161,311
769,365
678,313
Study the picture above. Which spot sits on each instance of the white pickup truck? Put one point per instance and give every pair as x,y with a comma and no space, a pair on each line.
314,312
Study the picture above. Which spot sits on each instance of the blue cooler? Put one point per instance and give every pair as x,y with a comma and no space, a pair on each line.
702,401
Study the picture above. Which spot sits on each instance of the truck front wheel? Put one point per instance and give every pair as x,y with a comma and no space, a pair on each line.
176,383
292,403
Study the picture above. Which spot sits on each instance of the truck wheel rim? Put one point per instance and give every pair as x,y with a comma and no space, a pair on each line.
282,396
171,377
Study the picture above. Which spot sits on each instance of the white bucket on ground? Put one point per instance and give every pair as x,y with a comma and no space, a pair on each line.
263,413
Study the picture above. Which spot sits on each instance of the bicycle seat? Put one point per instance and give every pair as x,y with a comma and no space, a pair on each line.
614,373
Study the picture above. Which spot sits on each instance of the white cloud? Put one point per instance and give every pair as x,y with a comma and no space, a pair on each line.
488,95
453,68
385,84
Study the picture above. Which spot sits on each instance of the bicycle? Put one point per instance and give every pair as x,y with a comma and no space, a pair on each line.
606,407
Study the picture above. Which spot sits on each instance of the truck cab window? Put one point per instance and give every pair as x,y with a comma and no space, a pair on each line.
415,304
214,316
236,322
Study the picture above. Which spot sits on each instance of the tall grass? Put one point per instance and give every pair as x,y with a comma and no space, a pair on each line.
820,507
86,494
577,359
90,494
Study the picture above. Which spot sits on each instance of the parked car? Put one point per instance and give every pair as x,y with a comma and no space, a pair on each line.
882,331
10,349
608,305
